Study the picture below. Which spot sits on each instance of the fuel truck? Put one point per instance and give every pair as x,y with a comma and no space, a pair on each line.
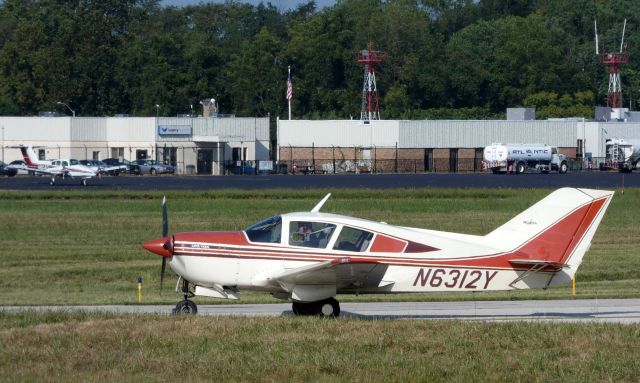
622,154
517,158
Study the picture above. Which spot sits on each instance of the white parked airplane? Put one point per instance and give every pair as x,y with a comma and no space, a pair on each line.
310,257
56,168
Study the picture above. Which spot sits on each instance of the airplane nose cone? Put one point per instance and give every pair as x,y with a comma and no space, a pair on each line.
160,246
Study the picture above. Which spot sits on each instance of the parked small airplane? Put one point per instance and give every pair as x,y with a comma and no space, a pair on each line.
56,168
310,257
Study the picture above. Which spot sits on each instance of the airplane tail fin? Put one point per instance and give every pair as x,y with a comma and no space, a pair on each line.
28,155
556,232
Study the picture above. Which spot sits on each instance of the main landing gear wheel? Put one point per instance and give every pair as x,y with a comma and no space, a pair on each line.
186,307
325,308
83,182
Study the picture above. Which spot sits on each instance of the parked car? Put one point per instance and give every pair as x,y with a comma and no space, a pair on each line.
153,167
94,164
4,170
129,167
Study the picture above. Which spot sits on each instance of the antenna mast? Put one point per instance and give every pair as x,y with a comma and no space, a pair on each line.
370,106
614,60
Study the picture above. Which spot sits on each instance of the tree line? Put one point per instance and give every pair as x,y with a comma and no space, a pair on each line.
467,59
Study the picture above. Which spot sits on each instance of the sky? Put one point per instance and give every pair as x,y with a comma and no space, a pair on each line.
281,4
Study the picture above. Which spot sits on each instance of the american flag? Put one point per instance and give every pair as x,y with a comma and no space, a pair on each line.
289,87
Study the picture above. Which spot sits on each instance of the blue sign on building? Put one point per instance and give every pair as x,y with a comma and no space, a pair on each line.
172,130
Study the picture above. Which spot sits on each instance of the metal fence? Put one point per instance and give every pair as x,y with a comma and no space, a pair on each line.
293,165
436,165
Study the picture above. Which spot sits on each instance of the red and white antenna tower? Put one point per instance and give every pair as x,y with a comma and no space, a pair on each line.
370,107
613,60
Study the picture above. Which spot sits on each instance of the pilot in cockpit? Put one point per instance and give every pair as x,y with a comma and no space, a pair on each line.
304,229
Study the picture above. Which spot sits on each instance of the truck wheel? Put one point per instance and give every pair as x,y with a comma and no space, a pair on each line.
520,168
563,167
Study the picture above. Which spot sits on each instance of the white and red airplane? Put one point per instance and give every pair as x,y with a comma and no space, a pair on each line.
55,168
310,257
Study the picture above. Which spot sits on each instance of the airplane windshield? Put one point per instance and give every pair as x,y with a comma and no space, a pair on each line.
268,230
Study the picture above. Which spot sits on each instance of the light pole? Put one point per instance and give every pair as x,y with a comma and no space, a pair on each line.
68,107
157,110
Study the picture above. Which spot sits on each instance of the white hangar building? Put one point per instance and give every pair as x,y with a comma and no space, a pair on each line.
193,145
435,145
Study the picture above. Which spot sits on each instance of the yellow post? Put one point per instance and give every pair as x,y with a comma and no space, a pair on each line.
574,284
139,289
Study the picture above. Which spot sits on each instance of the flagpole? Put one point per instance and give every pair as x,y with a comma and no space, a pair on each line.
289,84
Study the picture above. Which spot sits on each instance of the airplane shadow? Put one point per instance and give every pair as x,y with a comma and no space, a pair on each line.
505,317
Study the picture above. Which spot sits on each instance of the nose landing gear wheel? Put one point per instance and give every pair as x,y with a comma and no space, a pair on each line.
186,307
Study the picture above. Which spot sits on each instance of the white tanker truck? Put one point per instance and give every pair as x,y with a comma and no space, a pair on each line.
517,158
622,155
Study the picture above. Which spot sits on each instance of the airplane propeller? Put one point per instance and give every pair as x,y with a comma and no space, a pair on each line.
165,232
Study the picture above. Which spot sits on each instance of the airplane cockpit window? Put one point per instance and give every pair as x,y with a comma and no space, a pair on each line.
310,234
351,239
65,163
267,231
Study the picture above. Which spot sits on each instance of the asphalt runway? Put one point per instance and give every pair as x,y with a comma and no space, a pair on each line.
625,311
594,180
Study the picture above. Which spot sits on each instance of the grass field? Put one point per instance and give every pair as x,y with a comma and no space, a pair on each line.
88,348
84,247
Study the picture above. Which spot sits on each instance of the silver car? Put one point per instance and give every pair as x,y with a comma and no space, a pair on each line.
153,167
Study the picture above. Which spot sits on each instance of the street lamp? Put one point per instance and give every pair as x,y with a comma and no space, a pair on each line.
68,107
157,110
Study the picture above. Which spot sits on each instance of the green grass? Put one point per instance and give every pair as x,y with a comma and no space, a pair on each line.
104,347
84,247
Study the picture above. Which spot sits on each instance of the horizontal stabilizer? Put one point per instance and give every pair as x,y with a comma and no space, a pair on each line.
538,264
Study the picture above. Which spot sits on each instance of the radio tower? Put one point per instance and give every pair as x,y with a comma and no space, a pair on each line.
613,60
370,107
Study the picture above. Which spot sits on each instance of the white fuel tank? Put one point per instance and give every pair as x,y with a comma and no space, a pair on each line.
517,152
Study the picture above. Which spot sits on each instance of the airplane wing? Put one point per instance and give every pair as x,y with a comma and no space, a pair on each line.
33,170
329,276
114,168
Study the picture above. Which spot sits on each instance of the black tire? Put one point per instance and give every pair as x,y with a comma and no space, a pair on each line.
520,168
186,307
11,172
563,167
304,308
153,172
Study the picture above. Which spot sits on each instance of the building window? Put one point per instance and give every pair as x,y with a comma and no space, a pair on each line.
96,155
41,154
168,156
141,154
117,152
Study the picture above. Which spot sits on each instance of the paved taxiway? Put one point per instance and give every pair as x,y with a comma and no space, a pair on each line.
595,180
625,311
